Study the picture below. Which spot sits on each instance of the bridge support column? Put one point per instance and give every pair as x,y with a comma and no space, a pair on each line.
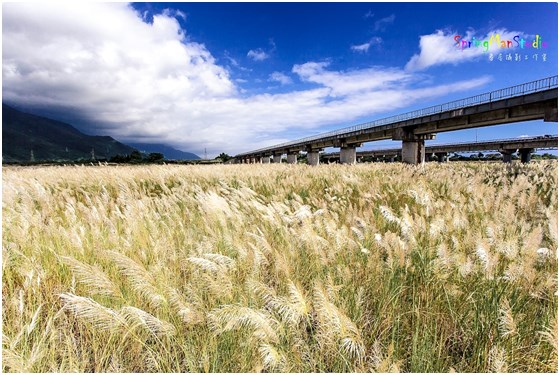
292,158
413,149
265,159
313,157
526,154
277,158
506,155
413,152
442,157
348,155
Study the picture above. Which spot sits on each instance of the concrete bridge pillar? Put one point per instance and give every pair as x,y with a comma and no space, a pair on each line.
348,155
526,154
413,152
506,155
313,157
277,158
265,159
413,149
292,158
442,157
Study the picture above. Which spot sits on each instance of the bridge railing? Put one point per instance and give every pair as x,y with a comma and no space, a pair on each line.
508,92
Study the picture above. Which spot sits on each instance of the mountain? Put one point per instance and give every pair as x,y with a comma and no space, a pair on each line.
169,152
24,134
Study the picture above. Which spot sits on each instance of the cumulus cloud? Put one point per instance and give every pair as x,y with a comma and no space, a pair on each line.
102,66
363,48
280,77
258,54
440,48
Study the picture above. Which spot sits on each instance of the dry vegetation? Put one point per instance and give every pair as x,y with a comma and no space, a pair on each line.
379,267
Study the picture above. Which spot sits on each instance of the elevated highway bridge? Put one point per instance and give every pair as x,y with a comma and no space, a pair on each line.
525,146
536,100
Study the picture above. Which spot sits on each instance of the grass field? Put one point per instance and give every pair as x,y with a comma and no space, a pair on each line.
242,268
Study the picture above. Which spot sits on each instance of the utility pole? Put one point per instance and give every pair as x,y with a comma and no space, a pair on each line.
205,155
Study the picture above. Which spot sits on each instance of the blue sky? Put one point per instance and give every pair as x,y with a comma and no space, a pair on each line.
237,76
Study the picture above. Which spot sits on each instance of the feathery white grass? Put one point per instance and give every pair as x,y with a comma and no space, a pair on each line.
88,310
507,324
92,277
189,315
205,264
140,280
336,326
272,359
136,316
234,317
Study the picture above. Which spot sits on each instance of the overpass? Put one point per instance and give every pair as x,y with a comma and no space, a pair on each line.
536,100
506,147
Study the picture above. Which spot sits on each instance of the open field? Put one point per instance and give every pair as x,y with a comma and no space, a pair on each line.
241,268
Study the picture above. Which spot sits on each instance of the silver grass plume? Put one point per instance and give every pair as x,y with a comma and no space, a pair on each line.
336,326
234,317
188,313
205,264
157,327
497,360
92,277
221,260
506,323
271,358
293,309
92,312
141,281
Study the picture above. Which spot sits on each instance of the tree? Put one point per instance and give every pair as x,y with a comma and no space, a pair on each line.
225,157
135,156
155,157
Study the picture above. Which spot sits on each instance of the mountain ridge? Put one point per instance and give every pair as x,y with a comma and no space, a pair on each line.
28,137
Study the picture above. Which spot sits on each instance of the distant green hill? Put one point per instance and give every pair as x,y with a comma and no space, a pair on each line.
23,133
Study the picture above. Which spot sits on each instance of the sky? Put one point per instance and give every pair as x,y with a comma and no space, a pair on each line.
234,77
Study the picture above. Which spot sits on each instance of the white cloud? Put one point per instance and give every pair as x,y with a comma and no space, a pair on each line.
440,48
353,81
280,77
363,48
381,25
369,14
258,54
100,65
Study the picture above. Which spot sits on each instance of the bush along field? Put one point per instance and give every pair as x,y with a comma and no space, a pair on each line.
280,268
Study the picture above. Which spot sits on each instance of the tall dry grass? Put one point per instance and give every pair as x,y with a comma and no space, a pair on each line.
379,267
